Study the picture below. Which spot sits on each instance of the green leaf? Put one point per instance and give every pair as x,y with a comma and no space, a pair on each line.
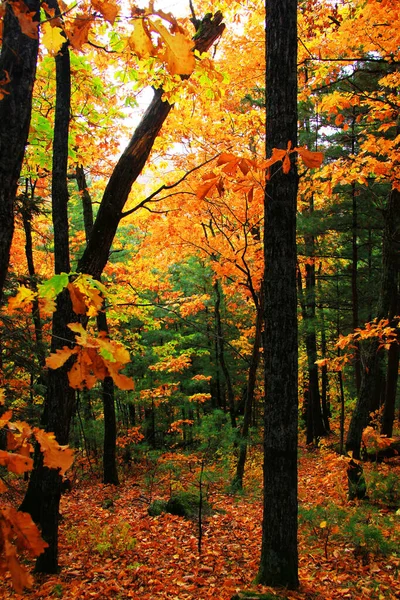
53,286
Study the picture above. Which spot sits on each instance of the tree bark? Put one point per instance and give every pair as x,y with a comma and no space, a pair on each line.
221,356
279,555
18,63
237,482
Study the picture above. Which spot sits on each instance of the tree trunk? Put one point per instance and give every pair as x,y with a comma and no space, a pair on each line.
237,482
44,488
110,472
18,63
221,356
279,555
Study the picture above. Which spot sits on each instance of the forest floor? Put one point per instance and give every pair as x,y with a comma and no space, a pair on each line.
111,548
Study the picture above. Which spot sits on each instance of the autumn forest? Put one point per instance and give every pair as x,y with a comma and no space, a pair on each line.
199,299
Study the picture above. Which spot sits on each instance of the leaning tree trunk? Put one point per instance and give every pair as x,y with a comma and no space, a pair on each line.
18,65
387,305
279,555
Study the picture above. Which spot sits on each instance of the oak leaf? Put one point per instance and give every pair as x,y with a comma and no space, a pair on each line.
25,19
59,357
54,455
78,33
16,463
107,8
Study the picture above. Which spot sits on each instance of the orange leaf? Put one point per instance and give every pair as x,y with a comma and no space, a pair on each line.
19,574
77,299
25,19
108,8
310,159
227,157
205,188
28,535
54,455
16,463
59,357
286,164
78,33
140,40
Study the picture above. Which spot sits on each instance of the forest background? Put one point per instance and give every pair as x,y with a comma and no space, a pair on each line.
157,251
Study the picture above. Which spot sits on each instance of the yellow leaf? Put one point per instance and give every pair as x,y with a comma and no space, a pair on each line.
178,50
2,397
54,455
140,41
323,524
53,38
23,297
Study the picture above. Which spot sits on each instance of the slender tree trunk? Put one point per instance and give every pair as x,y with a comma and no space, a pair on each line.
18,64
110,472
221,356
354,279
279,555
237,482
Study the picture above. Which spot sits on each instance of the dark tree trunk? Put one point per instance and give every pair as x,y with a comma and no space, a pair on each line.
44,488
221,356
27,203
314,424
86,201
18,59
354,277
279,555
391,389
387,306
110,472
237,482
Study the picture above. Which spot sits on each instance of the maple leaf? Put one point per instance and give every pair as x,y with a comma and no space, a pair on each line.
178,52
140,40
108,8
53,38
54,455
